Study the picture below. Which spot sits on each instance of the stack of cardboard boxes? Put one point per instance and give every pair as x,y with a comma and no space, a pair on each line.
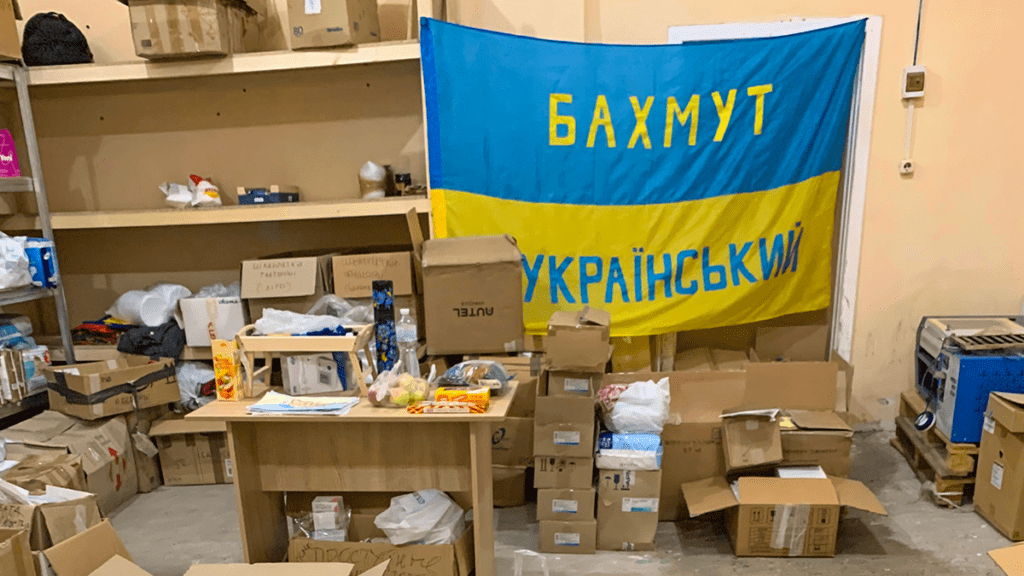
577,351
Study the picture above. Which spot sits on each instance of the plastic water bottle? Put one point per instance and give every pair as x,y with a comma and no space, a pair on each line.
405,330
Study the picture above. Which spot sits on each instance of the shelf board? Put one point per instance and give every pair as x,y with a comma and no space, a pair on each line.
33,401
235,64
19,222
16,185
238,214
25,294
101,352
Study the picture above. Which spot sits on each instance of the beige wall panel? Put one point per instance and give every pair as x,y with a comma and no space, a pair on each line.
558,20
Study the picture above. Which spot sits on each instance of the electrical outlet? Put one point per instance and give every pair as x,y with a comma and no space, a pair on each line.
907,166
913,81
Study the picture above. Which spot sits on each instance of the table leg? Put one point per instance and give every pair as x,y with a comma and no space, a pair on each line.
483,497
260,514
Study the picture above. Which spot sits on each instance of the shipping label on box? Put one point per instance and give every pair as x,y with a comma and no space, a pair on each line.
565,383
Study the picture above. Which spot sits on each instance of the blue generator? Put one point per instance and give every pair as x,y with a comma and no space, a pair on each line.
962,396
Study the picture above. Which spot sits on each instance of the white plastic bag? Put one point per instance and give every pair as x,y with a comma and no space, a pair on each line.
643,407
285,322
219,290
352,312
14,270
424,517
371,180
191,377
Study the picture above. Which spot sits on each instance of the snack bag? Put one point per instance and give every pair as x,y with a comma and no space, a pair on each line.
480,396
203,192
226,370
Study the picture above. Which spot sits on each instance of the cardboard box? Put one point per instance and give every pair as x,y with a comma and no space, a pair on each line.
524,403
509,486
1010,559
819,438
88,554
227,314
693,442
38,471
10,40
325,23
567,383
354,274
293,282
277,569
778,517
558,537
188,28
412,560
751,439
522,367
304,374
107,456
473,295
579,341
86,391
564,426
192,452
512,442
145,452
627,509
999,491
566,504
561,472
53,522
15,556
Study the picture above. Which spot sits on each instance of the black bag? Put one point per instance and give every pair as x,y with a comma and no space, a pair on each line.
51,39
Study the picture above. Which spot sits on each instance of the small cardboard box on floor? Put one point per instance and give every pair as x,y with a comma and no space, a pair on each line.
999,490
192,452
97,551
692,440
101,389
107,456
557,537
627,509
53,522
781,517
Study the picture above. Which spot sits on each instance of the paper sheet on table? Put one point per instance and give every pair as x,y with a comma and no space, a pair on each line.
277,403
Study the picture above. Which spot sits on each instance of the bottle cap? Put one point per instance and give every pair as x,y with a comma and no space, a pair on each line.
403,311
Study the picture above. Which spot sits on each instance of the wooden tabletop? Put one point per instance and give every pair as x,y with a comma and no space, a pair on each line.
362,412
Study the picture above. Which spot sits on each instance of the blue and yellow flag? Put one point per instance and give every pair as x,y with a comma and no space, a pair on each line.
678,186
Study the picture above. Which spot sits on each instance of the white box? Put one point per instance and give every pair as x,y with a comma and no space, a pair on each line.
196,313
310,374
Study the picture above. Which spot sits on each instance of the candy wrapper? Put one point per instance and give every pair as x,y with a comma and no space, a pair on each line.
477,373
177,195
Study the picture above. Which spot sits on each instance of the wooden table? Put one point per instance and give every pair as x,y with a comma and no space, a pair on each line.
367,450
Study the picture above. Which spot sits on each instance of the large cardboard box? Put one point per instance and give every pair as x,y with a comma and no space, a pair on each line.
188,28
569,383
564,426
561,472
53,522
578,341
627,509
414,560
15,556
999,491
557,537
10,40
512,442
566,504
750,440
293,281
473,295
107,456
227,315
192,452
354,273
101,389
778,517
325,23
818,438
509,484
692,441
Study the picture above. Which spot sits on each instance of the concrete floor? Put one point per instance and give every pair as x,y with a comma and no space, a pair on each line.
170,529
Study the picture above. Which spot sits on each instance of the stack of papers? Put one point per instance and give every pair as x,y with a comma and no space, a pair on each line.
276,403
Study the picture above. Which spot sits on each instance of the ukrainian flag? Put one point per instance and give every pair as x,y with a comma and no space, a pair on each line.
678,186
